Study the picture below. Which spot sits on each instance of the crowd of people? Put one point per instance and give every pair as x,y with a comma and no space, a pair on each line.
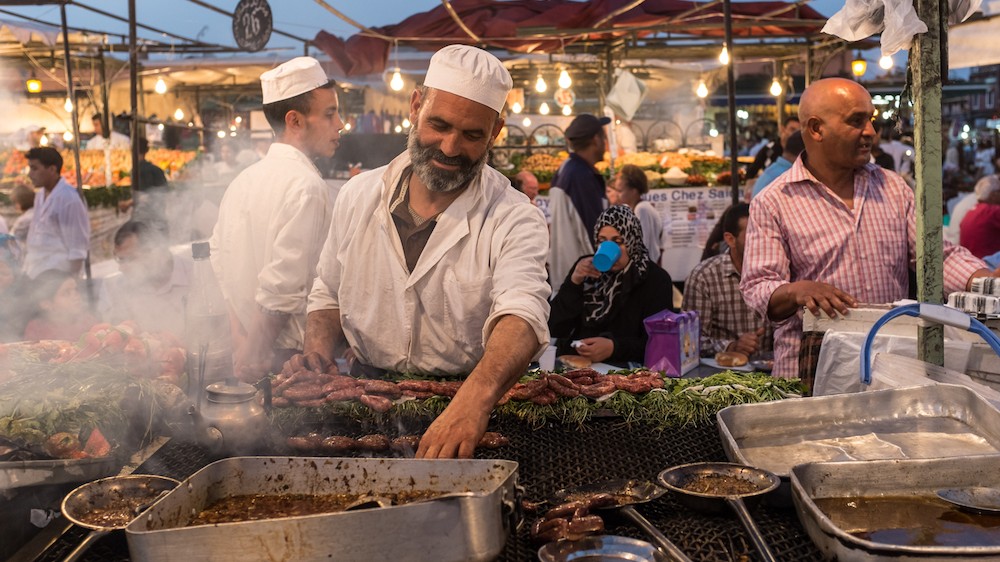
434,264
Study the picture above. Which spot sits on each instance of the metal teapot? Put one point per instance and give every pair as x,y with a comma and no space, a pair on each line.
230,419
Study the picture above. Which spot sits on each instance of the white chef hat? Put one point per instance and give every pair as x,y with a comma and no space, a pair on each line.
297,76
472,73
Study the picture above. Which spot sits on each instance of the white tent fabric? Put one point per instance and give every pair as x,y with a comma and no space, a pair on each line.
975,43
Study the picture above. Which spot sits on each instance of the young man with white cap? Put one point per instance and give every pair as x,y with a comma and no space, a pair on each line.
434,264
274,218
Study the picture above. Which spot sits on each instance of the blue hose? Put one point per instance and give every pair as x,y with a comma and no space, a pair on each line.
934,312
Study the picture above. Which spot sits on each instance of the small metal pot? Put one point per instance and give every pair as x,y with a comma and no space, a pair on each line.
134,493
675,479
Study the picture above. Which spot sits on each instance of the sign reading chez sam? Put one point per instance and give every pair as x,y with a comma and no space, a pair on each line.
252,23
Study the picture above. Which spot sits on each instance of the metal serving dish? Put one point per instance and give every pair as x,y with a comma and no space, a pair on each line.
888,479
473,527
916,423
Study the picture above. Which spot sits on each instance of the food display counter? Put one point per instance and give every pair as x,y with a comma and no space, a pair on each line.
551,457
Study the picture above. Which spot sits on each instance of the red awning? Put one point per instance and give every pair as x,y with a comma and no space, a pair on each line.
561,23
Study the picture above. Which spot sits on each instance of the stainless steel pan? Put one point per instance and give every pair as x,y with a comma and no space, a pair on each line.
121,498
677,478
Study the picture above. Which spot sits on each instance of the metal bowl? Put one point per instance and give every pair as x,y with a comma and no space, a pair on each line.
601,548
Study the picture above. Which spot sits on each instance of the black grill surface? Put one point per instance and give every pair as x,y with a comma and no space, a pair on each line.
555,457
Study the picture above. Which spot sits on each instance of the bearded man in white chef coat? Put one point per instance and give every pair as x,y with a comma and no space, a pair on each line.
433,264
274,218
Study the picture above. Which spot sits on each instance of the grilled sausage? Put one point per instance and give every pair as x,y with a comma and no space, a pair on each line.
565,509
379,404
406,444
304,391
374,443
384,388
493,440
352,393
585,525
338,444
598,389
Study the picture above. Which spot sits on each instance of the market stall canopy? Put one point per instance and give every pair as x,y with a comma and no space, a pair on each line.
974,43
525,26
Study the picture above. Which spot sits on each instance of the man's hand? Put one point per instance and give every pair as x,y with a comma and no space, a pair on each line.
251,364
455,433
747,343
814,295
311,361
584,268
596,349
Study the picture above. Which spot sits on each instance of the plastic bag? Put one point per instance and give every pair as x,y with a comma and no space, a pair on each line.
897,20
860,19
626,95
857,20
901,24
674,344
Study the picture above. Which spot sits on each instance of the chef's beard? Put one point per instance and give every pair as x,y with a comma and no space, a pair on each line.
436,179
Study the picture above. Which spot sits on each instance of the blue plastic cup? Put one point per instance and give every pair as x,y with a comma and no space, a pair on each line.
607,254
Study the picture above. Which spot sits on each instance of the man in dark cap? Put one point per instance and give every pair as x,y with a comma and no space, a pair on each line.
577,196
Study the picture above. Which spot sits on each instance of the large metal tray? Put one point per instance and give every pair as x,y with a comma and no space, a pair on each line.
909,423
466,528
917,477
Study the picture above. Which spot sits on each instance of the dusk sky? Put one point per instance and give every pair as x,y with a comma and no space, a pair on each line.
303,18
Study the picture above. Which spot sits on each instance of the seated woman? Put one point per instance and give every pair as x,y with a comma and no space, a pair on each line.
59,310
604,311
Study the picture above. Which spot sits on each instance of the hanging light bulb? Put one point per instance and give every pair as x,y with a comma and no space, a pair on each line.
68,136
160,127
238,119
516,107
406,123
179,114
775,87
396,83
68,106
44,141
885,63
540,85
724,55
347,126
859,65
398,129
160,87
702,90
713,132
33,84
567,110
544,108
526,122
221,134
564,80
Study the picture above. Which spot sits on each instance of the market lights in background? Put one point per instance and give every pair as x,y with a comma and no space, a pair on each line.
724,55
564,80
540,85
702,90
544,108
775,88
885,63
396,83
160,87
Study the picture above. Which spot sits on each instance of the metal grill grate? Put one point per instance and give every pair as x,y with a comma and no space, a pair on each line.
559,456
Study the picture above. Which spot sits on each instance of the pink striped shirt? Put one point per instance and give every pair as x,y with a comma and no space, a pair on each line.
801,230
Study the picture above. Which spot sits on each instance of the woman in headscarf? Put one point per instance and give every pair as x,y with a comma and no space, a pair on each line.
604,311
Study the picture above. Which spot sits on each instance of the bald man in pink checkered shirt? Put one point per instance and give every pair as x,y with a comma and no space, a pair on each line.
834,230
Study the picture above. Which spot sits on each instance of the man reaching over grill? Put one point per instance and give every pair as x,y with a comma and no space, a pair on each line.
433,264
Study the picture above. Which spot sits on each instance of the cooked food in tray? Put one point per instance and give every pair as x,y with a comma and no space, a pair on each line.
254,507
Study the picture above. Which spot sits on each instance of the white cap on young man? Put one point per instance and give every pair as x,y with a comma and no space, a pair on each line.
293,78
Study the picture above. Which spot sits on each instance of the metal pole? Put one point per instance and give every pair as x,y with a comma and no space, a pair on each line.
734,166
104,94
133,92
925,64
779,101
809,62
74,115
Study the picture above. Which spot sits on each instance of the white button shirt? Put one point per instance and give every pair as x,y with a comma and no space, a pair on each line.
60,230
273,220
484,260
